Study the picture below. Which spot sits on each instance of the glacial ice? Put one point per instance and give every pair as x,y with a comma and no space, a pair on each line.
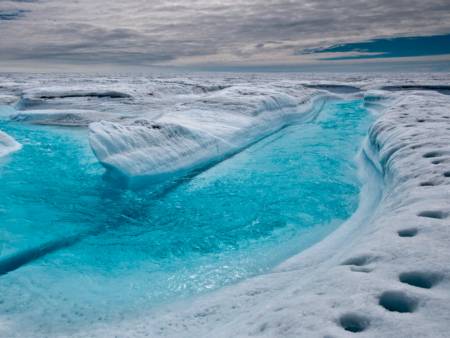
383,273
204,233
212,128
391,255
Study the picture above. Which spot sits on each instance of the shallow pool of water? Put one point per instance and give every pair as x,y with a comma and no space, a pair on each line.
133,250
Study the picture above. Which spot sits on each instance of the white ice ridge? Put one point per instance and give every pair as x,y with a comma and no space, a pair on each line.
62,117
33,97
384,273
8,144
212,128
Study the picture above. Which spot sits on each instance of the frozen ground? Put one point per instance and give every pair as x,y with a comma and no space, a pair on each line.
384,273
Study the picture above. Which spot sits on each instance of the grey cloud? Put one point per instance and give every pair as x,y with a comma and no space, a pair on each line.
159,31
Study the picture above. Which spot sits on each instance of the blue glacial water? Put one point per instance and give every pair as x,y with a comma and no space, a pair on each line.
119,252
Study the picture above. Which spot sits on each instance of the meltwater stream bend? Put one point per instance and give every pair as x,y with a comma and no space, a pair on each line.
237,219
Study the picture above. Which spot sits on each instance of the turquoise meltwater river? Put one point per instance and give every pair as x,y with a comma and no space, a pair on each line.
75,249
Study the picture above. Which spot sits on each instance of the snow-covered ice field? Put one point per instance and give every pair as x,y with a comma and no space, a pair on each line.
383,272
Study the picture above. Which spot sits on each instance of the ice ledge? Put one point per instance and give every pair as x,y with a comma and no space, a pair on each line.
62,117
385,274
148,151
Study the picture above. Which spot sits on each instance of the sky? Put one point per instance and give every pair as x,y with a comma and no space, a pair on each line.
227,34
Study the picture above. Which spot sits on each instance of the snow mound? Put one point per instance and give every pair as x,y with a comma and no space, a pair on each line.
66,117
8,99
182,141
8,144
384,273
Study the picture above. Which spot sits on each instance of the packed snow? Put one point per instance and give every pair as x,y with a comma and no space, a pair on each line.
384,273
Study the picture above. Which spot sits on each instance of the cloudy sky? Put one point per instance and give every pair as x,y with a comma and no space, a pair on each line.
228,33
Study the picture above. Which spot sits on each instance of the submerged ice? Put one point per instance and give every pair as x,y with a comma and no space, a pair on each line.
7,144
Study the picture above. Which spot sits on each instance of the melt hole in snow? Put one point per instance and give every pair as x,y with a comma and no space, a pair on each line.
432,154
359,260
410,232
419,279
354,322
397,301
427,184
438,214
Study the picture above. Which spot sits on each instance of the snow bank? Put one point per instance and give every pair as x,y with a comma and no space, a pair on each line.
8,144
383,273
212,128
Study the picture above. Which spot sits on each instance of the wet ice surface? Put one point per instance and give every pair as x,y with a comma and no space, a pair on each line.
241,220
237,219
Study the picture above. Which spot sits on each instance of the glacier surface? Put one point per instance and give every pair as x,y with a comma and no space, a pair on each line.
384,273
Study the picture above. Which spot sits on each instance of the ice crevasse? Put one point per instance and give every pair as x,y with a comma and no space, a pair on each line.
207,131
